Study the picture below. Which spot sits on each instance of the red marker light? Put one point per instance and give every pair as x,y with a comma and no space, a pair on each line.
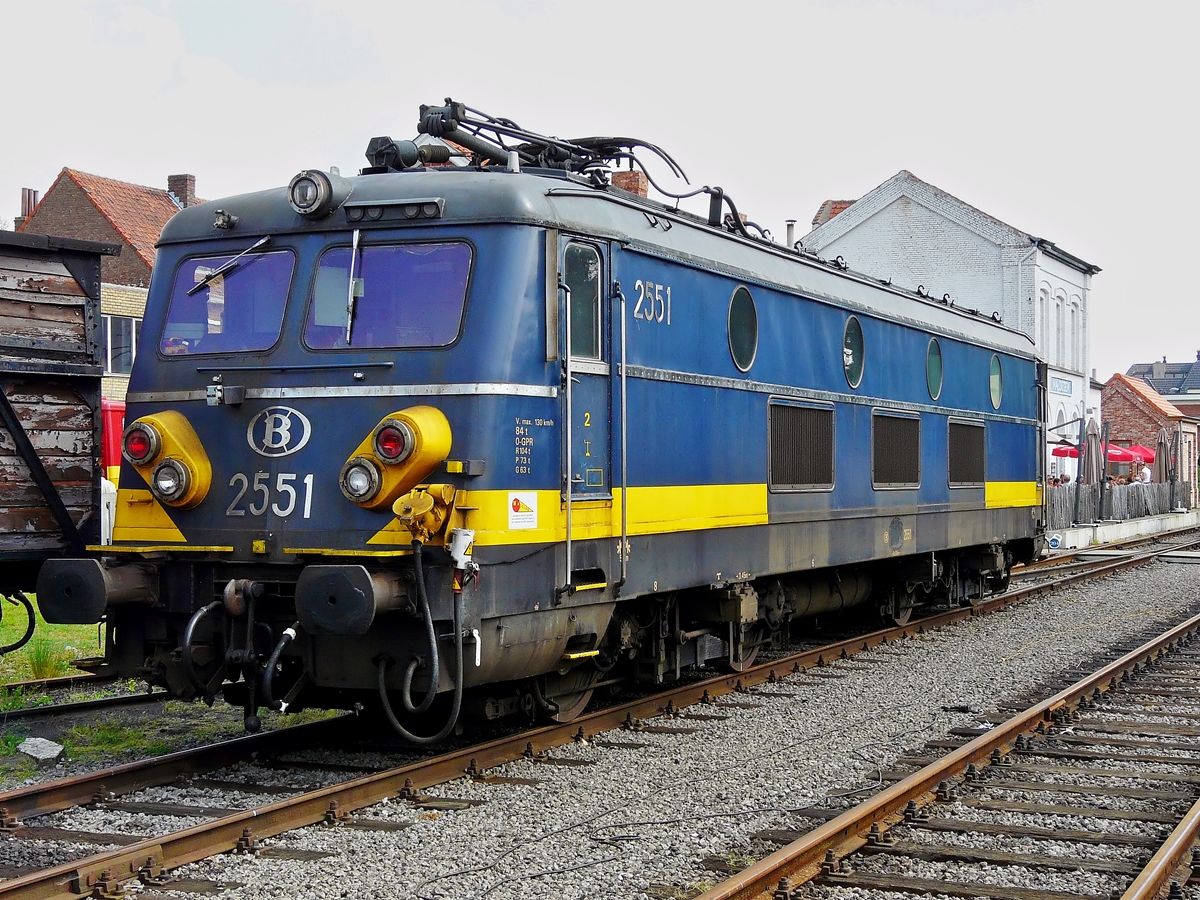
390,442
140,443
393,442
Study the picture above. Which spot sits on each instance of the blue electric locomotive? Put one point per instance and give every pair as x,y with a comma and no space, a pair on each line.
478,431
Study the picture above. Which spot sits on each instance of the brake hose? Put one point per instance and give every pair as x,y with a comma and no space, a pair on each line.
268,679
431,636
458,687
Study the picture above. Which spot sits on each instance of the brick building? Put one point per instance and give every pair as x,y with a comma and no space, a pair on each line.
917,235
89,207
1178,382
1135,412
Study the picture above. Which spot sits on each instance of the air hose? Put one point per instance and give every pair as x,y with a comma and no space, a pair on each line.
268,679
188,668
24,601
431,637
458,687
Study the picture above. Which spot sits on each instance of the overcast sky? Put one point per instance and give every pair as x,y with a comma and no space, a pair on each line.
1074,121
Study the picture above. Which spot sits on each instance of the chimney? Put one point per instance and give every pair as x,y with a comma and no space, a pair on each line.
632,180
1158,369
184,189
29,202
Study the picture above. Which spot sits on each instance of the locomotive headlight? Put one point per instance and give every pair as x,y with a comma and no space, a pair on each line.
169,480
315,193
359,479
393,441
140,443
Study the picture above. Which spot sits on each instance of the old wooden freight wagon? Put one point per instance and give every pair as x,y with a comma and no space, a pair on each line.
50,369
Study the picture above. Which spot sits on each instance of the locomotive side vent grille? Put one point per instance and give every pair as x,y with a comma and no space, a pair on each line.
801,443
966,453
895,451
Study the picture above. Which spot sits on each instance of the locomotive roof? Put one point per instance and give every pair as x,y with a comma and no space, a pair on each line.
557,199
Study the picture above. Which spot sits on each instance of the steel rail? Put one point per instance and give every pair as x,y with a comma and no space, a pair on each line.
848,831
154,855
63,709
60,681
1154,877
64,793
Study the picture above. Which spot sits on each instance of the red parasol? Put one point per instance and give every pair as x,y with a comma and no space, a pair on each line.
1144,454
1115,454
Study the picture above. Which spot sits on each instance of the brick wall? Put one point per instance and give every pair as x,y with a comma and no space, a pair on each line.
67,212
1134,420
120,300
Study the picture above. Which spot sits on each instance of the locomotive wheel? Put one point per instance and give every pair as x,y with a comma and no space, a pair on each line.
899,611
570,693
901,617
752,640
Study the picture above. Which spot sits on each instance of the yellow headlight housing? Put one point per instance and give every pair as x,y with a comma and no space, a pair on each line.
403,449
177,468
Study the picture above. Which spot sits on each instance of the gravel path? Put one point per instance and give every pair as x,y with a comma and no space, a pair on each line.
636,819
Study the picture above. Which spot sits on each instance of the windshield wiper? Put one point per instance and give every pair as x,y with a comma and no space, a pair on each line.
227,267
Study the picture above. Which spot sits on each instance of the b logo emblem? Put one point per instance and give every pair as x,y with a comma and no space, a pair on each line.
278,431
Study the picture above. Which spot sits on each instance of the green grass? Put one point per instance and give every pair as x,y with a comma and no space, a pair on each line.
112,739
51,649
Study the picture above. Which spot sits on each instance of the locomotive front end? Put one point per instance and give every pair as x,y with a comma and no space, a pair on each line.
306,422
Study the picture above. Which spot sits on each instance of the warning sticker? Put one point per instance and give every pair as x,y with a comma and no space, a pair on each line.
522,509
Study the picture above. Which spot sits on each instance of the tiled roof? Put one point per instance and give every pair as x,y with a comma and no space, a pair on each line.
136,211
829,209
1149,394
1176,378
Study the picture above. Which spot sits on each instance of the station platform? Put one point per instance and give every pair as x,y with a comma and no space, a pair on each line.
1083,536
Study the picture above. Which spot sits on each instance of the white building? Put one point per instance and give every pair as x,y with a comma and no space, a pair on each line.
924,239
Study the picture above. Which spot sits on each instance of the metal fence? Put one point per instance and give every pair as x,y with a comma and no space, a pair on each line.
1121,501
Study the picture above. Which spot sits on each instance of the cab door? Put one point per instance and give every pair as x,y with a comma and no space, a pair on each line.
587,393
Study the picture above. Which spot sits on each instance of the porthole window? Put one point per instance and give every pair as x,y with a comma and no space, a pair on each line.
996,382
852,352
933,368
743,329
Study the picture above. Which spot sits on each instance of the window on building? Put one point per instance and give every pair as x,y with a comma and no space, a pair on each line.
120,335
1074,339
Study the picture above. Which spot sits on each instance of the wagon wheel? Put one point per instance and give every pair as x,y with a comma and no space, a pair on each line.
899,610
753,637
568,693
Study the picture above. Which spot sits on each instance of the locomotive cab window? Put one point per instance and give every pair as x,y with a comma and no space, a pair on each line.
852,352
581,272
996,382
227,304
895,450
402,295
933,368
743,329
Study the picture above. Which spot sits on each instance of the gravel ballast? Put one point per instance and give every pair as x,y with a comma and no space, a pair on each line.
636,819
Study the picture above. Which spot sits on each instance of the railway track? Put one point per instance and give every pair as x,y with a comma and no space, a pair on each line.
222,828
1090,793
